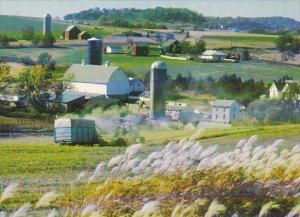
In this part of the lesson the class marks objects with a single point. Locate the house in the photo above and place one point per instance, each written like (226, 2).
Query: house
(9, 96)
(70, 101)
(97, 80)
(83, 36)
(114, 49)
(213, 55)
(179, 111)
(224, 111)
(275, 93)
(71, 33)
(139, 48)
(136, 86)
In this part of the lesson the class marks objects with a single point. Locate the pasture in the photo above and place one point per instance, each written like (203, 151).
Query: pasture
(141, 65)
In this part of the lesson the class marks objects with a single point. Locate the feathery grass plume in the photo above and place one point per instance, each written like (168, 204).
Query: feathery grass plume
(149, 209)
(9, 191)
(215, 209)
(295, 212)
(22, 211)
(46, 199)
(267, 208)
(96, 214)
(2, 214)
(81, 176)
(87, 211)
(53, 213)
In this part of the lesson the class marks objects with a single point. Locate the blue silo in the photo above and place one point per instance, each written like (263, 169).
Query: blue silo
(47, 23)
(94, 51)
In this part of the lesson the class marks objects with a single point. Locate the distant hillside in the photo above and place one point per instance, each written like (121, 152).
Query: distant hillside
(15, 24)
(126, 17)
(130, 17)
(245, 24)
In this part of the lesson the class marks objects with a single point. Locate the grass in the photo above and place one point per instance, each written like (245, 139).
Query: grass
(250, 41)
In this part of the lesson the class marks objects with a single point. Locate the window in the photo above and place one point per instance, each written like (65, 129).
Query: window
(224, 117)
(224, 109)
(216, 116)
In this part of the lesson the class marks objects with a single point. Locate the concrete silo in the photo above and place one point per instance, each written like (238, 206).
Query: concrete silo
(47, 24)
(94, 51)
(158, 80)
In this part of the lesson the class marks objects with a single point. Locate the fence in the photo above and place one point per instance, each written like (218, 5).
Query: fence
(25, 134)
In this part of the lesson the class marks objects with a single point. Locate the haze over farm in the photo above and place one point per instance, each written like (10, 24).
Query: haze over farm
(149, 108)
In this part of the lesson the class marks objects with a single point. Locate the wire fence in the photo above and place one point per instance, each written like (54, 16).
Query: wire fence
(25, 134)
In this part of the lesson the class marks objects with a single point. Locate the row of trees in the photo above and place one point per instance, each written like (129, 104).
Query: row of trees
(288, 42)
(29, 34)
(227, 87)
(119, 22)
(185, 47)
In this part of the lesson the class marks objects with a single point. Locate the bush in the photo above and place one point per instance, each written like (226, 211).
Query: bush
(118, 142)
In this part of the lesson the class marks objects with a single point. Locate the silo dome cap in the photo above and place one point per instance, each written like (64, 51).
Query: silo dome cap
(94, 39)
(159, 65)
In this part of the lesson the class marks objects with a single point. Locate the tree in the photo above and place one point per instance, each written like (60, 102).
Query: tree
(5, 77)
(288, 42)
(33, 84)
(28, 33)
(36, 39)
(45, 59)
(198, 48)
(48, 40)
(246, 55)
(4, 40)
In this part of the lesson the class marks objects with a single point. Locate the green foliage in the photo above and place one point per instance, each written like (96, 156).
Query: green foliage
(4, 40)
(45, 59)
(28, 33)
(36, 39)
(288, 42)
(5, 77)
(48, 40)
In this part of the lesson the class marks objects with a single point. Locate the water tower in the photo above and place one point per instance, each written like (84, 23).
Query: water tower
(47, 24)
(94, 51)
(158, 79)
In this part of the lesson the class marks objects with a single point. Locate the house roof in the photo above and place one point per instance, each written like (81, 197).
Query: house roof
(69, 28)
(223, 103)
(213, 53)
(83, 32)
(98, 74)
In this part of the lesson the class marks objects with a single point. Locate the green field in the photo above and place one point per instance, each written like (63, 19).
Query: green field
(141, 65)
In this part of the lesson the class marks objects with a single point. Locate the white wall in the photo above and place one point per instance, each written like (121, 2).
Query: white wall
(225, 115)
(118, 84)
(88, 88)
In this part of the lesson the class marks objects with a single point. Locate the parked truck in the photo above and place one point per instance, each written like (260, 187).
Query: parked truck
(75, 131)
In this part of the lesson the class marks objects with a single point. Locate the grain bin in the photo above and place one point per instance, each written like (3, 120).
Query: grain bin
(94, 51)
(158, 80)
(75, 131)
(47, 24)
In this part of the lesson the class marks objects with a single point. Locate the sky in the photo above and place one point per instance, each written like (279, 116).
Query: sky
(245, 8)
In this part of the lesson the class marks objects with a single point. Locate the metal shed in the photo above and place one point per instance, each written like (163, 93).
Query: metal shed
(75, 131)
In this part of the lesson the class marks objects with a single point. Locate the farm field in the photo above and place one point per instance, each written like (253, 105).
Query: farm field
(40, 166)
(140, 65)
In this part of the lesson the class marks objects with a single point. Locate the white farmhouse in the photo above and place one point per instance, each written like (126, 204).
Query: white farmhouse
(114, 49)
(97, 80)
(213, 55)
(275, 93)
(224, 111)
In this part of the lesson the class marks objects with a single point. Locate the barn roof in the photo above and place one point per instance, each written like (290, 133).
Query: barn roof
(98, 74)
(69, 28)
(223, 103)
(83, 32)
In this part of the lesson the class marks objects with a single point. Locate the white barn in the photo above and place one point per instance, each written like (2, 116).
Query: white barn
(98, 80)
(275, 93)
(213, 55)
(224, 111)
(114, 49)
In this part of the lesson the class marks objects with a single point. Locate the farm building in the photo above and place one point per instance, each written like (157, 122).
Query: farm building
(71, 33)
(83, 36)
(9, 96)
(114, 49)
(100, 80)
(179, 111)
(139, 49)
(224, 111)
(213, 55)
(71, 102)
(275, 93)
(137, 86)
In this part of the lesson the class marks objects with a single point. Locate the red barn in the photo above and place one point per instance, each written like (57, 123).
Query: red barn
(139, 49)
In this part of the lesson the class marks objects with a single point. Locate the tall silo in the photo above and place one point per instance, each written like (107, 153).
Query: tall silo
(158, 80)
(94, 51)
(47, 24)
